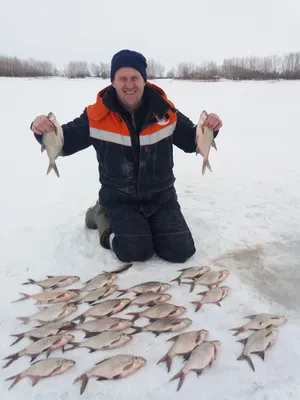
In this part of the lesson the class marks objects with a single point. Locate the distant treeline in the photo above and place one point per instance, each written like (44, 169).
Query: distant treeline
(242, 68)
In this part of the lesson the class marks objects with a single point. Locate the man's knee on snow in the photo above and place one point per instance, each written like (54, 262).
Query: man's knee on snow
(130, 249)
(175, 248)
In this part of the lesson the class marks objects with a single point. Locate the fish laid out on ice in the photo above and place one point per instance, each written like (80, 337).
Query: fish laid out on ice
(43, 369)
(153, 286)
(97, 294)
(53, 296)
(214, 295)
(260, 321)
(48, 344)
(94, 327)
(44, 331)
(51, 314)
(184, 345)
(204, 141)
(190, 273)
(115, 367)
(54, 282)
(159, 311)
(258, 343)
(103, 341)
(99, 281)
(123, 268)
(209, 279)
(150, 299)
(53, 142)
(164, 325)
(104, 309)
(200, 358)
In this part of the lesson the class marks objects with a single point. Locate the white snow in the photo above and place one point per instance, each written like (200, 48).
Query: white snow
(246, 213)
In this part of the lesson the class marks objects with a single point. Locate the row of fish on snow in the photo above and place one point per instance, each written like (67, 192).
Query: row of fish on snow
(106, 331)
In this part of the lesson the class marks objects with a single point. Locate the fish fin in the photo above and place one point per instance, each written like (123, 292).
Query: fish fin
(137, 330)
(50, 276)
(261, 354)
(23, 319)
(54, 167)
(135, 316)
(202, 293)
(173, 338)
(167, 359)
(30, 282)
(199, 371)
(198, 305)
(237, 330)
(90, 334)
(186, 356)
(204, 165)
(35, 380)
(103, 378)
(121, 292)
(214, 145)
(16, 378)
(243, 341)
(24, 297)
(11, 358)
(218, 303)
(181, 377)
(248, 359)
(252, 316)
(92, 350)
(43, 148)
(84, 378)
(176, 280)
(33, 357)
(156, 333)
(81, 318)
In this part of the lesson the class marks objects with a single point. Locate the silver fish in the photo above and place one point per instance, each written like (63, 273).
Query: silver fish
(209, 279)
(114, 367)
(53, 282)
(184, 345)
(53, 296)
(190, 273)
(150, 299)
(53, 142)
(164, 325)
(121, 269)
(43, 369)
(51, 314)
(260, 321)
(258, 343)
(201, 357)
(103, 341)
(153, 286)
(44, 331)
(159, 311)
(204, 141)
(104, 309)
(97, 294)
(214, 295)
(94, 327)
(48, 344)
(100, 280)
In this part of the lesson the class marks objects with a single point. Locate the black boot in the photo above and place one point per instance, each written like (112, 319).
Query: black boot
(96, 218)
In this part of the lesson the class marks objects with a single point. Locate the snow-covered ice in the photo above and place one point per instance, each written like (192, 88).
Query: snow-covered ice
(245, 214)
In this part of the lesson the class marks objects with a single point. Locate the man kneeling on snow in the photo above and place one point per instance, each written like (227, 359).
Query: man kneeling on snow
(133, 126)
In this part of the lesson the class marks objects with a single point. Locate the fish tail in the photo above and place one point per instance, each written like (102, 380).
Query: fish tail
(29, 282)
(19, 337)
(24, 319)
(176, 280)
(80, 318)
(25, 297)
(137, 330)
(84, 378)
(204, 165)
(16, 380)
(121, 292)
(248, 359)
(11, 358)
(237, 330)
(167, 359)
(198, 305)
(136, 315)
(181, 377)
(214, 145)
(52, 165)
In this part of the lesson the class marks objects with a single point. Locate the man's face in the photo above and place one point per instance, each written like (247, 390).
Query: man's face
(129, 85)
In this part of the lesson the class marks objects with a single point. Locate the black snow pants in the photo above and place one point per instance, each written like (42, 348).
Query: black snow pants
(164, 232)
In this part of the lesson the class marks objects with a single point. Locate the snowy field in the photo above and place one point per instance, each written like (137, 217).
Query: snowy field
(245, 214)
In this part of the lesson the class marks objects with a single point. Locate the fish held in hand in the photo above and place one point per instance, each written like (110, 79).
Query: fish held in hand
(201, 358)
(115, 367)
(51, 314)
(53, 282)
(44, 331)
(164, 325)
(53, 142)
(214, 296)
(184, 345)
(204, 141)
(150, 299)
(53, 296)
(159, 311)
(48, 344)
(190, 273)
(43, 369)
(258, 343)
(153, 286)
(260, 321)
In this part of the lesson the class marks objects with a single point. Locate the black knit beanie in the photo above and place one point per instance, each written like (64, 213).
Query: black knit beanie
(128, 58)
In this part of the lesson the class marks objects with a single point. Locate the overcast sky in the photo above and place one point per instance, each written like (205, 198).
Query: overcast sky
(168, 31)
